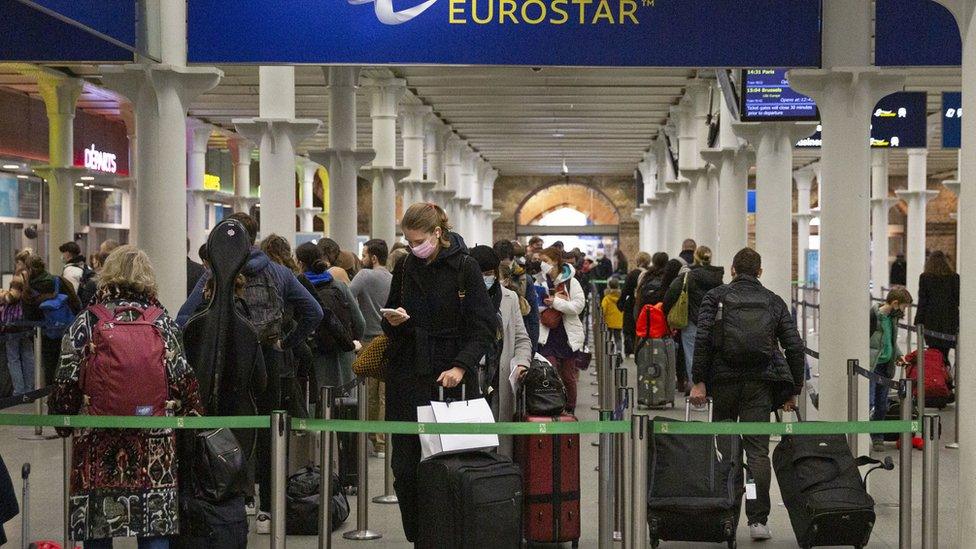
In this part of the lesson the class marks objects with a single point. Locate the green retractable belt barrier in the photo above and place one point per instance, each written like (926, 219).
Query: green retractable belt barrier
(137, 422)
(801, 428)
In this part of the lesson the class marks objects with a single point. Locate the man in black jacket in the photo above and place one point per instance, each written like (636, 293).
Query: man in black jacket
(741, 326)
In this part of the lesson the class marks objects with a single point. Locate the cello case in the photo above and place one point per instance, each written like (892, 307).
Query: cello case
(220, 343)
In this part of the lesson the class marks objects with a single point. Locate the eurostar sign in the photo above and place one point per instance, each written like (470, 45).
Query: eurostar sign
(663, 33)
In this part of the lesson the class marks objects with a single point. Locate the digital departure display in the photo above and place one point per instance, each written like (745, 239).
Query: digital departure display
(766, 95)
(899, 121)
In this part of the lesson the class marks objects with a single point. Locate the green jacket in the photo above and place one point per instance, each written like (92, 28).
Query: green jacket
(877, 334)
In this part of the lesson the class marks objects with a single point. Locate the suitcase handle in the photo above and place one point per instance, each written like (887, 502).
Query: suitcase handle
(796, 412)
(688, 408)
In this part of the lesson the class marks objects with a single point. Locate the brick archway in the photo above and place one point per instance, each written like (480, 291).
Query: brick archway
(551, 196)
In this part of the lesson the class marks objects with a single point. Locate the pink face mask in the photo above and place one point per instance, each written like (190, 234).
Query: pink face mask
(423, 251)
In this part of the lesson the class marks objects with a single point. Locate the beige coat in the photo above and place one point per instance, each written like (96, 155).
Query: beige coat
(516, 351)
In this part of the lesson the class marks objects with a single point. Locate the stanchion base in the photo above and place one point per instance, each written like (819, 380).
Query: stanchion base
(595, 443)
(595, 395)
(362, 535)
(36, 436)
(952, 446)
(617, 536)
(386, 499)
(594, 383)
(593, 372)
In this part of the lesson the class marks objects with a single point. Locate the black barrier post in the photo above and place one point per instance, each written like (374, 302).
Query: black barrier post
(920, 367)
(954, 445)
(905, 473)
(852, 399)
(605, 486)
(636, 535)
(279, 466)
(931, 436)
(326, 401)
(66, 444)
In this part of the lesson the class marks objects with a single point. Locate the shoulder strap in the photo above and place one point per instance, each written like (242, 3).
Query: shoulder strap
(101, 312)
(57, 285)
(461, 282)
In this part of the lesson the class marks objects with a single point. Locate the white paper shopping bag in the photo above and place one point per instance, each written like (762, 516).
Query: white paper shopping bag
(462, 411)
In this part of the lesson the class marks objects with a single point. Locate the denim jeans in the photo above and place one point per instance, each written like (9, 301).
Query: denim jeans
(20, 361)
(142, 543)
(879, 396)
(688, 334)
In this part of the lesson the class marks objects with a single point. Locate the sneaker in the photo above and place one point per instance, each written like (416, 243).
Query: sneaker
(262, 524)
(759, 532)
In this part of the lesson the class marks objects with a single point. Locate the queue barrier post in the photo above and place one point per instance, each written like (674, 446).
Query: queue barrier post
(905, 471)
(920, 366)
(279, 464)
(624, 396)
(326, 401)
(852, 398)
(637, 523)
(605, 487)
(931, 435)
(38, 378)
(66, 448)
(362, 531)
(389, 496)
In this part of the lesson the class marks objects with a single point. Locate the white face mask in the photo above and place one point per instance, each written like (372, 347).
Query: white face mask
(547, 267)
(489, 281)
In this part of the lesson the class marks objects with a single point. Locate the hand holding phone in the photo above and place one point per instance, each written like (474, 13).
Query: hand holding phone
(395, 316)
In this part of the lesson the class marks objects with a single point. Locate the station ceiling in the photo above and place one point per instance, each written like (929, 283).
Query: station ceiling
(522, 120)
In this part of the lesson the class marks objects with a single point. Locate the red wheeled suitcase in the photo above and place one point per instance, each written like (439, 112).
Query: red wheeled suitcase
(551, 474)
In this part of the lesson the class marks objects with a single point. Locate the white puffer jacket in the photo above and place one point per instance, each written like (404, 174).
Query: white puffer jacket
(571, 310)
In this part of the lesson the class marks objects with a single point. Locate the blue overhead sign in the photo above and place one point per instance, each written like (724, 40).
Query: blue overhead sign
(915, 33)
(662, 33)
(102, 31)
(951, 120)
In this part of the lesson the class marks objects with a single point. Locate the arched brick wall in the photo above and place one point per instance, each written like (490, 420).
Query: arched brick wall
(512, 192)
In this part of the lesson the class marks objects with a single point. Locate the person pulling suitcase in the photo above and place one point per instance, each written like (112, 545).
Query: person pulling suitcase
(739, 364)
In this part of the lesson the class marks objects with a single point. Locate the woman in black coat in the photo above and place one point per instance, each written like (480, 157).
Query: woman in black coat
(938, 302)
(627, 302)
(443, 325)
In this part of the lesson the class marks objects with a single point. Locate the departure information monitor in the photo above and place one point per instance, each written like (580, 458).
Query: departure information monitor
(766, 95)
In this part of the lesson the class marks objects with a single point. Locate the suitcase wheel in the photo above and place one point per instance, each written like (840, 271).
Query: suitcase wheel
(733, 544)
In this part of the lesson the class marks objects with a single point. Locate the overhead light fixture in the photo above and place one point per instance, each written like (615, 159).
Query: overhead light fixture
(559, 135)
(109, 189)
(11, 166)
(565, 167)
(86, 178)
(22, 176)
(89, 187)
(79, 184)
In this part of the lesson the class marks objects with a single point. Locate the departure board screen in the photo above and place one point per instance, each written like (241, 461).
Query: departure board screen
(766, 95)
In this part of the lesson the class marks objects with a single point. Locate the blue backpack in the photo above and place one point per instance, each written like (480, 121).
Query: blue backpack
(57, 313)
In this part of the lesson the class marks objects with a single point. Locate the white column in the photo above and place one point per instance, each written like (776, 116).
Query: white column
(663, 226)
(434, 135)
(342, 160)
(413, 129)
(804, 182)
(240, 158)
(648, 168)
(473, 176)
(60, 96)
(488, 203)
(308, 212)
(197, 137)
(954, 186)
(161, 93)
(880, 206)
(774, 143)
(452, 179)
(846, 93)
(733, 162)
(463, 197)
(917, 196)
(703, 203)
(385, 175)
(277, 132)
(965, 14)
(128, 116)
(689, 170)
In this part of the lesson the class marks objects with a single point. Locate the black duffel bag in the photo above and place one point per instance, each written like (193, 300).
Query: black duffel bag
(302, 502)
(218, 465)
(542, 392)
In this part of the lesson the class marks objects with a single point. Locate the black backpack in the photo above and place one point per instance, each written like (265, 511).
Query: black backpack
(542, 392)
(333, 299)
(264, 304)
(744, 332)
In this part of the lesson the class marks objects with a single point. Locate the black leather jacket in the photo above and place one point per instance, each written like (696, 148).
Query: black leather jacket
(710, 368)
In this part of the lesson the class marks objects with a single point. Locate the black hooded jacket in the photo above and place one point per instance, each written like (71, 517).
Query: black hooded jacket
(444, 329)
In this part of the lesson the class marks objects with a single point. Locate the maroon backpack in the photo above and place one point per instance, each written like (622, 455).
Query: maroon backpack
(125, 369)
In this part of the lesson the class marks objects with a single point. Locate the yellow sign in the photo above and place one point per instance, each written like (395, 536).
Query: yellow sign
(211, 182)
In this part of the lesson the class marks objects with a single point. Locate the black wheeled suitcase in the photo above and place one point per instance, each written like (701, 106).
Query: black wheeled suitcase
(823, 491)
(695, 487)
(347, 408)
(469, 501)
(656, 360)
